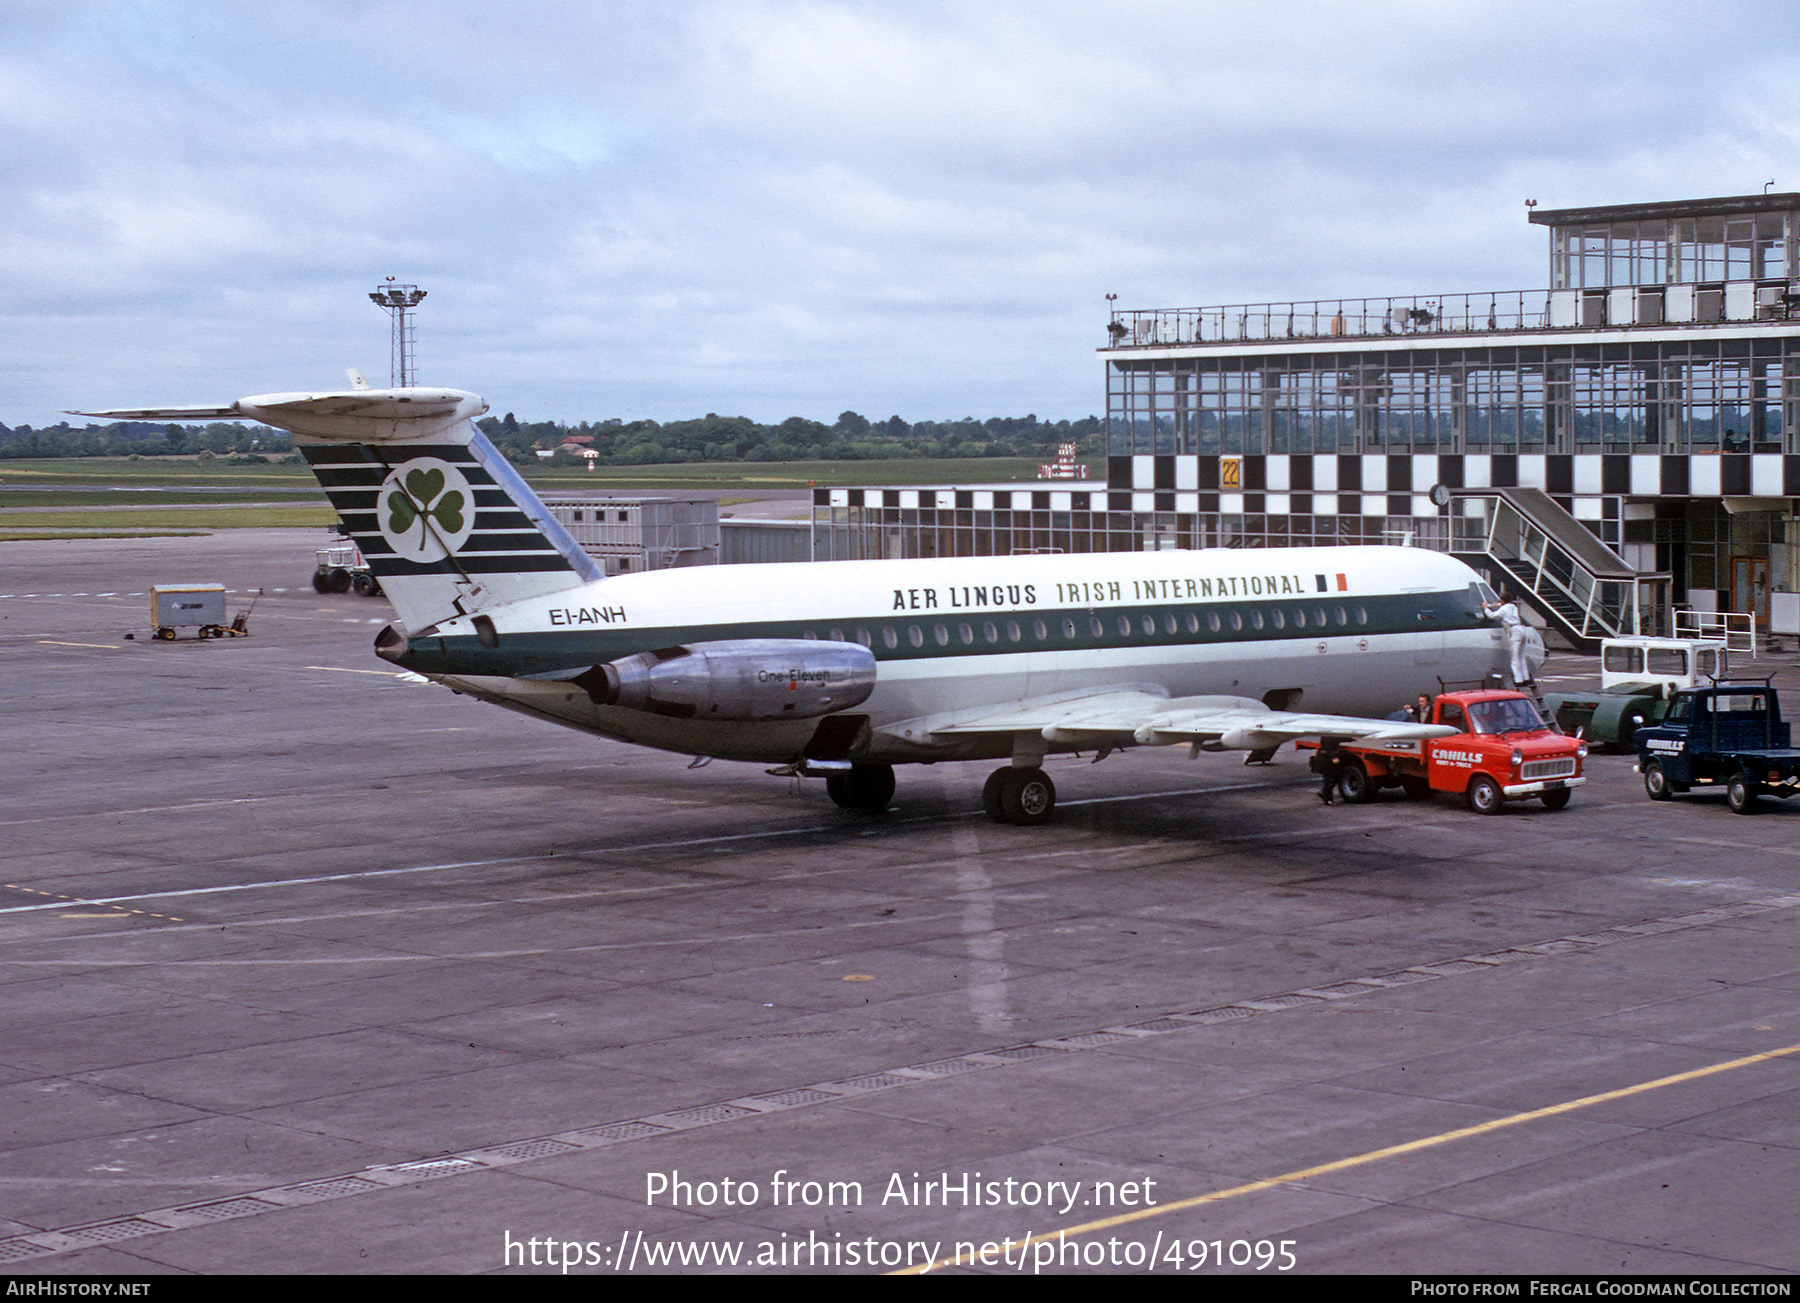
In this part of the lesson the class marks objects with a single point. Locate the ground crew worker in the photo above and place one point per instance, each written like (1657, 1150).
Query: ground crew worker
(1507, 612)
(1328, 764)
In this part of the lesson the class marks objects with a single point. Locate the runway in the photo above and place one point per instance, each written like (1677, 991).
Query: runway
(309, 968)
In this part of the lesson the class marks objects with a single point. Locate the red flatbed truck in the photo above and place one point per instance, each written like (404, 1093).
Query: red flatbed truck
(1505, 752)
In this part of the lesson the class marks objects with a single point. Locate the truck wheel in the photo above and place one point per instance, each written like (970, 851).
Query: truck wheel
(1417, 788)
(1558, 799)
(339, 579)
(1485, 796)
(1656, 783)
(362, 584)
(321, 581)
(1354, 784)
(1628, 727)
(1740, 794)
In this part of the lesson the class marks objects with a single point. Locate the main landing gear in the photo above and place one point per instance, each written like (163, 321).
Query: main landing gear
(1021, 795)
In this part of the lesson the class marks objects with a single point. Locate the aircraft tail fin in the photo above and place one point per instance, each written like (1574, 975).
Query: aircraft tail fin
(444, 520)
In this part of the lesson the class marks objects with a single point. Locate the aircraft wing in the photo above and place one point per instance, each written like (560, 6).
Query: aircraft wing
(1214, 722)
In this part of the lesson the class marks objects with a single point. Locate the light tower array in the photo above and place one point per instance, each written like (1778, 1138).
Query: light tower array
(398, 301)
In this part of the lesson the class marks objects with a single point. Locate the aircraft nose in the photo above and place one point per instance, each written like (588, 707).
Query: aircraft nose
(391, 644)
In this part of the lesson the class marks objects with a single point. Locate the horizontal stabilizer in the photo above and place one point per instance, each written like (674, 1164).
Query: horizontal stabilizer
(355, 416)
(167, 414)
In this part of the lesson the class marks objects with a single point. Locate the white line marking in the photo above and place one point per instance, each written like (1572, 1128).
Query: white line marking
(549, 856)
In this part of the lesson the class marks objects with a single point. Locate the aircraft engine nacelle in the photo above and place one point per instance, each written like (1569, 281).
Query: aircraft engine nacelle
(751, 679)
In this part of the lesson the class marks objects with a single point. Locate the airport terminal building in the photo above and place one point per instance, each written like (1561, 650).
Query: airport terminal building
(1618, 444)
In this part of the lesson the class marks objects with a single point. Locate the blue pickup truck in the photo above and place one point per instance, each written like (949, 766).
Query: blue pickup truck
(1729, 735)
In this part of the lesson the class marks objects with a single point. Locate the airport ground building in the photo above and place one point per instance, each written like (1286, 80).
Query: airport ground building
(1620, 445)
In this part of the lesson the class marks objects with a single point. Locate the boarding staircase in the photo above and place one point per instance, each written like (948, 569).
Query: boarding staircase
(1552, 562)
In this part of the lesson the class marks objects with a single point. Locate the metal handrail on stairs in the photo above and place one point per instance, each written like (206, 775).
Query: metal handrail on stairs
(1554, 562)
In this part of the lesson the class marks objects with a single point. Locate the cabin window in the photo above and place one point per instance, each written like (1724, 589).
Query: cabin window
(1041, 630)
(1193, 622)
(1212, 621)
(989, 632)
(1277, 619)
(967, 633)
(1069, 630)
(1149, 626)
(1319, 616)
(837, 635)
(1013, 632)
(1341, 615)
(1256, 618)
(811, 635)
(1299, 617)
(1362, 615)
(1237, 621)
(1169, 623)
(862, 636)
(889, 637)
(942, 635)
(1124, 626)
(915, 635)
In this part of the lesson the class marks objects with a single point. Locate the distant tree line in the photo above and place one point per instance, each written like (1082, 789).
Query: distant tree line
(143, 439)
(711, 438)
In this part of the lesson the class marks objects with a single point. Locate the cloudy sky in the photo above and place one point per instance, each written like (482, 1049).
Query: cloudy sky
(664, 209)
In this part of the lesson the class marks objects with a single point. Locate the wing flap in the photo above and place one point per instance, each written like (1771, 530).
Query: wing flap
(1224, 722)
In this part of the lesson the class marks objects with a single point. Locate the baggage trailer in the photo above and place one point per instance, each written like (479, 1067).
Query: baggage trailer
(200, 607)
(1505, 752)
(1729, 735)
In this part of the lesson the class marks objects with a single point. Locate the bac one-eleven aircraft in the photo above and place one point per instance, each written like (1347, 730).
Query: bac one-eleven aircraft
(844, 669)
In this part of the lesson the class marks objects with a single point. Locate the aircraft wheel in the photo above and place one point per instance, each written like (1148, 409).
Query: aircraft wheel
(865, 787)
(321, 581)
(1027, 796)
(1558, 799)
(1354, 784)
(990, 796)
(1656, 782)
(1485, 796)
(1740, 794)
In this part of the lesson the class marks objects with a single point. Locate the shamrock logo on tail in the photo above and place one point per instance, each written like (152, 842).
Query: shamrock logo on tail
(420, 497)
(425, 510)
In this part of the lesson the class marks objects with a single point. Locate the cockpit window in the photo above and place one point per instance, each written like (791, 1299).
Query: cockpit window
(1511, 715)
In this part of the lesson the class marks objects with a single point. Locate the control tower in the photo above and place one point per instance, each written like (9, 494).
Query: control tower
(1624, 441)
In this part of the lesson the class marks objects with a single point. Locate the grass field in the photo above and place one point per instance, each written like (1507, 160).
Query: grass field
(113, 523)
(173, 479)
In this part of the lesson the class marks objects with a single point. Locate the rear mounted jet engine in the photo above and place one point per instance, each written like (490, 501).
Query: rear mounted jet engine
(756, 678)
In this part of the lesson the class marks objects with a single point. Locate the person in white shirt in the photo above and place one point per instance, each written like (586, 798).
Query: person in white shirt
(1507, 612)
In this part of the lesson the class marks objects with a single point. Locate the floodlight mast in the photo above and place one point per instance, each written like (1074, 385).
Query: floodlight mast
(398, 301)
